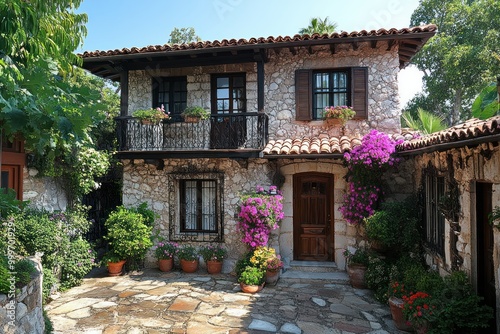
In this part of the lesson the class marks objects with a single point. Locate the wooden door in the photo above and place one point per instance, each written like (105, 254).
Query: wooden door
(10, 178)
(485, 268)
(312, 216)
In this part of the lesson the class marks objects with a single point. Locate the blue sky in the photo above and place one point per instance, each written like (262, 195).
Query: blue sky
(117, 24)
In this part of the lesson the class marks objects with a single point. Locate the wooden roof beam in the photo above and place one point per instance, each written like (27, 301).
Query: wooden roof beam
(373, 44)
(333, 48)
(355, 46)
(390, 44)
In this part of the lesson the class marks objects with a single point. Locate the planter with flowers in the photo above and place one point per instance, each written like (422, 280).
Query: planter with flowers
(396, 292)
(252, 279)
(188, 258)
(151, 116)
(195, 114)
(419, 310)
(165, 252)
(260, 212)
(273, 268)
(213, 255)
(338, 114)
(357, 264)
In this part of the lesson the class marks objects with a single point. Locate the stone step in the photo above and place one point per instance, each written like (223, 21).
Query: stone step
(313, 270)
(314, 266)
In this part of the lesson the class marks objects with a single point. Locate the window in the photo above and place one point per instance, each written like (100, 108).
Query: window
(196, 206)
(172, 93)
(434, 221)
(315, 90)
(330, 89)
(228, 93)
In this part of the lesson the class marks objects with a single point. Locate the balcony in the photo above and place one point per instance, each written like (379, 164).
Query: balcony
(228, 135)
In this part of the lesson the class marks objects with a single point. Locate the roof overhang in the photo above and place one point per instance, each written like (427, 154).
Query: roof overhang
(109, 64)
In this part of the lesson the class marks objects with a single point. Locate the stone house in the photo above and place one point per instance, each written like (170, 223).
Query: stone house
(266, 97)
(460, 164)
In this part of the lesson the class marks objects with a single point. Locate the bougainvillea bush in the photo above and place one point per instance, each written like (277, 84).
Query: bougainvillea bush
(365, 165)
(260, 212)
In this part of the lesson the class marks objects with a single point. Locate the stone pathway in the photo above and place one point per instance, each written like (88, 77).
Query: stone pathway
(154, 302)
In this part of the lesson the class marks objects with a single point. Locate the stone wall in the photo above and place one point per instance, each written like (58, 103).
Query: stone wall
(467, 166)
(279, 88)
(43, 192)
(24, 314)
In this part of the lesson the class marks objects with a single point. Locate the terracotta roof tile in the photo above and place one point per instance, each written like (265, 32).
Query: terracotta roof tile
(471, 129)
(314, 145)
(261, 40)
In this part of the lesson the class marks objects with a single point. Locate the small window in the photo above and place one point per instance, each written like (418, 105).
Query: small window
(228, 94)
(434, 220)
(330, 89)
(198, 205)
(171, 92)
(315, 90)
(198, 214)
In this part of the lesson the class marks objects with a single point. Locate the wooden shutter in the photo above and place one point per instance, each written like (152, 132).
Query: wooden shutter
(359, 91)
(303, 95)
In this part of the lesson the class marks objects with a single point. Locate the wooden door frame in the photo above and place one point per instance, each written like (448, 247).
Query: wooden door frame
(297, 180)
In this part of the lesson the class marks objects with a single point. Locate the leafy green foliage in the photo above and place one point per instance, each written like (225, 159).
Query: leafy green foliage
(252, 276)
(25, 270)
(128, 234)
(4, 275)
(50, 283)
(9, 204)
(242, 263)
(78, 262)
(377, 277)
(183, 35)
(319, 26)
(188, 253)
(426, 122)
(461, 58)
(486, 103)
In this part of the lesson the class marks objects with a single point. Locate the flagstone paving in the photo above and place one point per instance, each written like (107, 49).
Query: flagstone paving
(153, 302)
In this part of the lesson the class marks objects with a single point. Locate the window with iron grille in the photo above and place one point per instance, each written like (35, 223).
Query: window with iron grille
(199, 213)
(433, 219)
(330, 89)
(171, 92)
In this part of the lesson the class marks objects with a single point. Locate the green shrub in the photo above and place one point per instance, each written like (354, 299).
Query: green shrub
(252, 276)
(188, 253)
(242, 263)
(4, 275)
(25, 270)
(148, 215)
(128, 235)
(48, 324)
(78, 262)
(395, 226)
(377, 277)
(50, 283)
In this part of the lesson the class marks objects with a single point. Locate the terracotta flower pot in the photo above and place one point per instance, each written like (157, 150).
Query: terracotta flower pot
(356, 274)
(272, 277)
(115, 268)
(214, 267)
(396, 305)
(251, 288)
(189, 266)
(165, 264)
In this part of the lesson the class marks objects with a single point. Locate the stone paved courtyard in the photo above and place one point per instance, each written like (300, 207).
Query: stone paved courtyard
(155, 302)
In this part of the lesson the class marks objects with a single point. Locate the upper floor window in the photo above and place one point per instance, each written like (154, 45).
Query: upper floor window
(228, 93)
(171, 92)
(434, 189)
(317, 89)
(330, 88)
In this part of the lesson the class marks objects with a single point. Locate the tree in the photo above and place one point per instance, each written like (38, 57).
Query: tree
(183, 35)
(319, 26)
(43, 97)
(426, 122)
(461, 58)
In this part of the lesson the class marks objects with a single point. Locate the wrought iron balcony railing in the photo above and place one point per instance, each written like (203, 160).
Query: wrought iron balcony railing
(225, 131)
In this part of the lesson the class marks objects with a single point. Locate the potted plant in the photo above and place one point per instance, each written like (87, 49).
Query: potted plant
(151, 116)
(165, 252)
(273, 267)
(195, 114)
(213, 257)
(128, 236)
(357, 263)
(252, 279)
(396, 292)
(188, 258)
(340, 113)
(114, 263)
